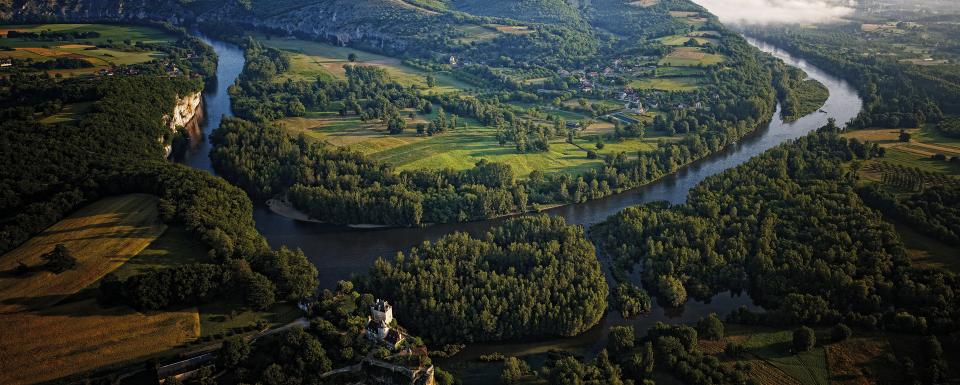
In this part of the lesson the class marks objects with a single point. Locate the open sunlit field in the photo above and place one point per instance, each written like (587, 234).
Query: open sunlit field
(458, 149)
(101, 236)
(75, 337)
(311, 59)
(690, 57)
(85, 48)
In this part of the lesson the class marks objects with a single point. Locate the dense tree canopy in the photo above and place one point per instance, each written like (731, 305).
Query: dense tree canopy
(532, 276)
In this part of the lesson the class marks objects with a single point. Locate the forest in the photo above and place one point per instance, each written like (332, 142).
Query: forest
(789, 228)
(53, 169)
(532, 276)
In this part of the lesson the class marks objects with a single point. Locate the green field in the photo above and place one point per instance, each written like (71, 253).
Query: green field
(690, 57)
(678, 40)
(174, 248)
(311, 59)
(773, 347)
(666, 84)
(458, 149)
(86, 49)
(70, 113)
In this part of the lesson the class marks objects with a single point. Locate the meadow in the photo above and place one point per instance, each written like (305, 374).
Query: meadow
(769, 351)
(51, 326)
(74, 337)
(666, 84)
(458, 149)
(924, 143)
(312, 59)
(86, 49)
(102, 236)
(690, 57)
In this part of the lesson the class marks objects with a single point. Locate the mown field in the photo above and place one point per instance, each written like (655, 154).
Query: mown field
(86, 48)
(690, 57)
(51, 326)
(924, 143)
(102, 236)
(772, 362)
(666, 84)
(458, 149)
(71, 338)
(311, 59)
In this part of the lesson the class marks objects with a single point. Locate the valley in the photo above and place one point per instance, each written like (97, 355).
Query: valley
(596, 192)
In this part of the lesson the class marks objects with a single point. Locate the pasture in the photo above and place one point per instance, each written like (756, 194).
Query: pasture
(924, 143)
(768, 350)
(666, 84)
(690, 57)
(678, 40)
(89, 49)
(51, 327)
(75, 337)
(457, 149)
(311, 59)
(101, 236)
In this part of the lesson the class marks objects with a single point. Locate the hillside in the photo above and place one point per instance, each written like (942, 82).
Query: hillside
(538, 11)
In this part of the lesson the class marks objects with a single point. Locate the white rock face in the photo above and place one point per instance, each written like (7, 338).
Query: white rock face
(188, 109)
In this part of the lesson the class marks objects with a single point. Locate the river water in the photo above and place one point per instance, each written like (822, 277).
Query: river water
(338, 252)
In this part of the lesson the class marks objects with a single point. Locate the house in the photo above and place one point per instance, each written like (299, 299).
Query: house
(378, 325)
(453, 61)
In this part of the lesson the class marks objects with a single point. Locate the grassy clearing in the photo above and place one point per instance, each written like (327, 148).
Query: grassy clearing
(175, 247)
(928, 252)
(678, 40)
(773, 347)
(77, 337)
(859, 360)
(45, 337)
(311, 59)
(102, 236)
(666, 84)
(222, 317)
(924, 143)
(690, 57)
(85, 49)
(70, 113)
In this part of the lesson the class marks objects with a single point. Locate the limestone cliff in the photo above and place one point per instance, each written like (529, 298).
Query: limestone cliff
(187, 114)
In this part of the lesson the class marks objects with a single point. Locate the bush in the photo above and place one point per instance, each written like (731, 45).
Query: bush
(804, 339)
(711, 327)
(734, 350)
(840, 332)
(59, 260)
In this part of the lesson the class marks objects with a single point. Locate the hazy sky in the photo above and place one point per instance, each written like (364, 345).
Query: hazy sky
(778, 11)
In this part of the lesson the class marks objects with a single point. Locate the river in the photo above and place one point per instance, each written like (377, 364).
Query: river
(338, 252)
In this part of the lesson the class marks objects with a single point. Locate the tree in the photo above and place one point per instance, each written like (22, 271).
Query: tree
(261, 294)
(804, 339)
(672, 291)
(232, 352)
(59, 260)
(840, 332)
(352, 57)
(514, 369)
(710, 327)
(621, 339)
(599, 144)
(904, 136)
(431, 81)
